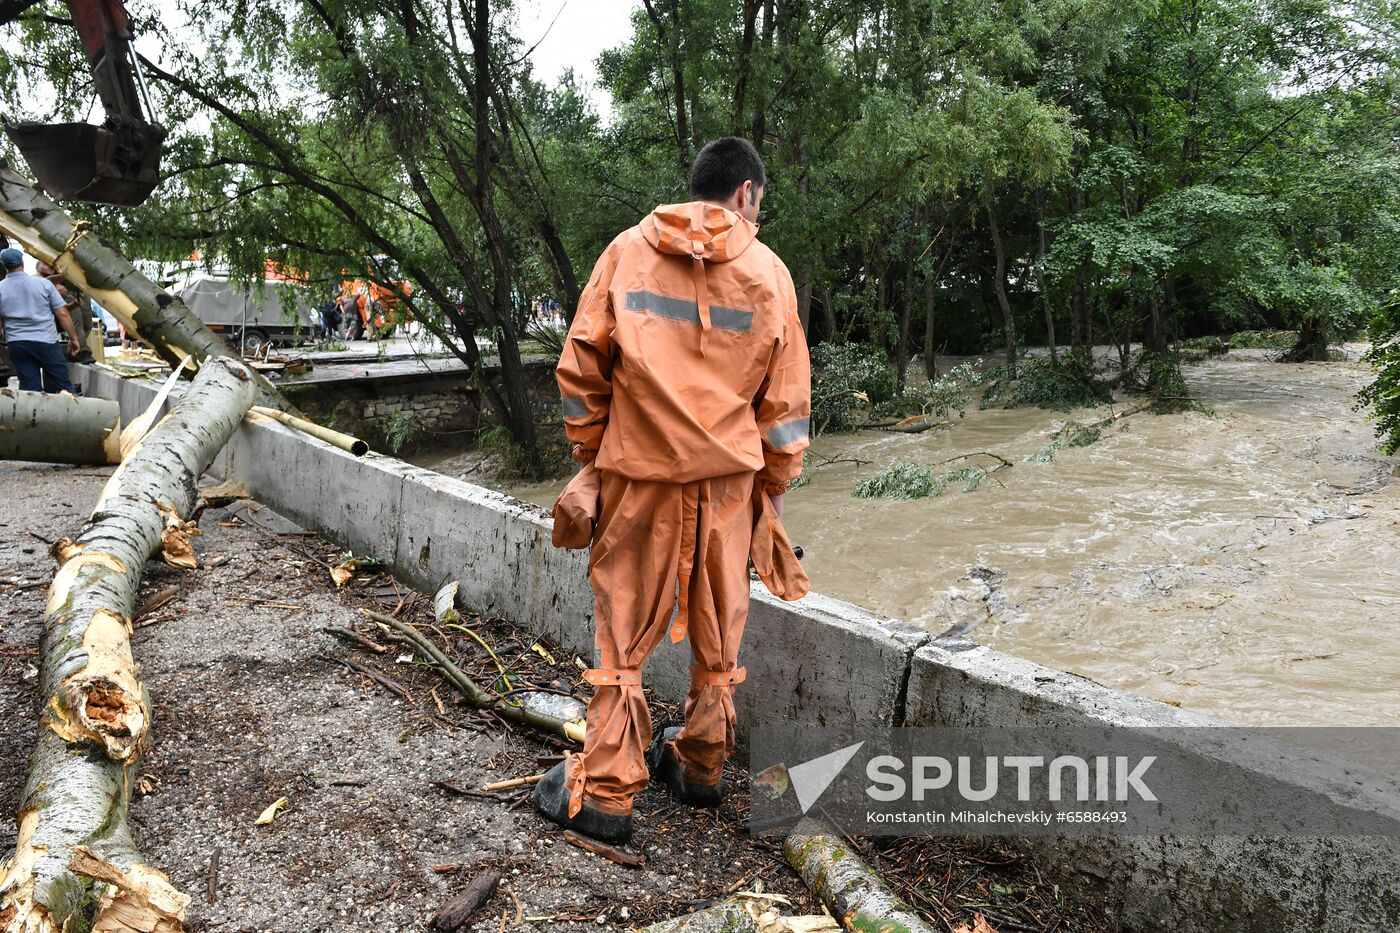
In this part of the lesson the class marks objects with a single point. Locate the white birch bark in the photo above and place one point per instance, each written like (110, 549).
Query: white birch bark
(96, 715)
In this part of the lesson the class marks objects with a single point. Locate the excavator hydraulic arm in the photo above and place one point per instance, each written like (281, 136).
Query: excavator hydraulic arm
(117, 162)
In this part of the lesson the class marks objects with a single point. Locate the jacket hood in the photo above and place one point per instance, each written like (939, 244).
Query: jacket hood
(698, 228)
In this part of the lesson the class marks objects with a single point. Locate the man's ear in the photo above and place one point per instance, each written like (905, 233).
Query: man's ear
(745, 194)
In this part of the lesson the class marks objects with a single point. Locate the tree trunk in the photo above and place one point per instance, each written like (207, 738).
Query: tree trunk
(882, 292)
(1040, 276)
(999, 283)
(845, 885)
(1081, 323)
(673, 51)
(745, 66)
(45, 428)
(828, 315)
(760, 110)
(1311, 344)
(906, 310)
(930, 351)
(96, 269)
(1158, 332)
(804, 302)
(97, 715)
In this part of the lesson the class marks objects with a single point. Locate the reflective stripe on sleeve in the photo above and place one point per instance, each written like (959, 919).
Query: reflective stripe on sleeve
(574, 407)
(790, 433)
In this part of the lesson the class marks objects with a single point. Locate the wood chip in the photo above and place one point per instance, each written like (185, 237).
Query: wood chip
(456, 912)
(270, 813)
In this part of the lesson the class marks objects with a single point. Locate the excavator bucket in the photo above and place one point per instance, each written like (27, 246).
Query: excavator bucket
(82, 162)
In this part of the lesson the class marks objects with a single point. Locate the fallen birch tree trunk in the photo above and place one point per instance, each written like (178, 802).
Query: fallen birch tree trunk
(47, 428)
(96, 716)
(849, 889)
(145, 309)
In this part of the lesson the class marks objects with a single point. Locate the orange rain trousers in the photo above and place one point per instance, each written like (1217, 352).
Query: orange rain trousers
(657, 545)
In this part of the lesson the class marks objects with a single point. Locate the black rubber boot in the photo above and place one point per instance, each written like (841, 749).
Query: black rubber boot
(551, 799)
(666, 768)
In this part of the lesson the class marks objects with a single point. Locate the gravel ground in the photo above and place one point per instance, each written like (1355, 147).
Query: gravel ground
(250, 708)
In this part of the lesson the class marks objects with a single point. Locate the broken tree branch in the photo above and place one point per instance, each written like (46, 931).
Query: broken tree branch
(481, 699)
(96, 715)
(345, 442)
(849, 889)
(49, 234)
(43, 428)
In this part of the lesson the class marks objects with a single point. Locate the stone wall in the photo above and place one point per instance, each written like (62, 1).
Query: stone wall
(442, 410)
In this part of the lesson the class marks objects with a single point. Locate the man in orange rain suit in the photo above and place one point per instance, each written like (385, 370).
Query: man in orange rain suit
(686, 383)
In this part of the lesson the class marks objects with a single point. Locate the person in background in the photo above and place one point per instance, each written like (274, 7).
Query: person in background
(29, 307)
(77, 305)
(351, 318)
(330, 319)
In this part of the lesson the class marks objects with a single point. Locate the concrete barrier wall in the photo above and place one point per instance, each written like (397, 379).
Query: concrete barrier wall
(1223, 883)
(815, 661)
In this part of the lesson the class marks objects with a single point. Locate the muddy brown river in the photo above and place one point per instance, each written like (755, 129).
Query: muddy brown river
(1243, 564)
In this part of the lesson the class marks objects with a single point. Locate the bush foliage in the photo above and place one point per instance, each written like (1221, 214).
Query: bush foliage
(912, 481)
(1384, 356)
(1263, 339)
(848, 379)
(1068, 383)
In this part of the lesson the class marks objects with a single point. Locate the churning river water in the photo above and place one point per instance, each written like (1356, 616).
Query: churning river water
(1244, 563)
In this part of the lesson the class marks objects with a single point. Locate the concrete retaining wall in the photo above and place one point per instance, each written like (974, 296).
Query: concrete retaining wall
(816, 661)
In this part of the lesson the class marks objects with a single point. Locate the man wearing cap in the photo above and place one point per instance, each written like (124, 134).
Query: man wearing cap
(29, 306)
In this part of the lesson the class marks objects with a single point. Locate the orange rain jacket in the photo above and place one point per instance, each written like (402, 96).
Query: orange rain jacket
(687, 360)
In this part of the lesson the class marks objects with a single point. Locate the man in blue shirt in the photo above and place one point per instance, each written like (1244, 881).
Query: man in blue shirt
(29, 306)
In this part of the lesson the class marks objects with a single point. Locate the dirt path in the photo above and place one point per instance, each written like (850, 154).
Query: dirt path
(249, 709)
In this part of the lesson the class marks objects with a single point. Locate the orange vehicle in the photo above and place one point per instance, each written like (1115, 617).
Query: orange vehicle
(381, 308)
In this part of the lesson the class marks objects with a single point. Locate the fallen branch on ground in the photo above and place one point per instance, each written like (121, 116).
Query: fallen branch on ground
(748, 912)
(611, 853)
(848, 888)
(96, 714)
(509, 783)
(387, 683)
(476, 696)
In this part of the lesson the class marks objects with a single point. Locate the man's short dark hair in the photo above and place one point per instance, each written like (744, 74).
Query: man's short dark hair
(722, 166)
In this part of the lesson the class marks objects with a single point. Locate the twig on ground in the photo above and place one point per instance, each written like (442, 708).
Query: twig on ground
(355, 637)
(467, 791)
(611, 853)
(383, 681)
(211, 884)
(159, 598)
(513, 782)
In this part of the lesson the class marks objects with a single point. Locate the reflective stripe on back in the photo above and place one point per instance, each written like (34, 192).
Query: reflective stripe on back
(680, 309)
